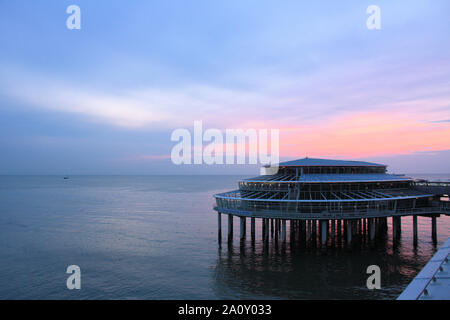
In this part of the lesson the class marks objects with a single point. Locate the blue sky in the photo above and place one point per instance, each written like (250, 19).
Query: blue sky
(105, 99)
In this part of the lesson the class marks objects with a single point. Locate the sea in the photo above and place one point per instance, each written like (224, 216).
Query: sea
(155, 237)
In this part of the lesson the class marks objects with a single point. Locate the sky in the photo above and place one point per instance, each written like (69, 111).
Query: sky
(106, 98)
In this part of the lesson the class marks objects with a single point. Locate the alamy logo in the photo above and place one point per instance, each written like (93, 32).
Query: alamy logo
(374, 20)
(236, 146)
(374, 281)
(74, 280)
(74, 20)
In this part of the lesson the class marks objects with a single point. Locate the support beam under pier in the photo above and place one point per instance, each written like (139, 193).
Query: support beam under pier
(339, 230)
(333, 230)
(283, 230)
(230, 226)
(271, 228)
(219, 226)
(371, 229)
(243, 225)
(266, 238)
(349, 231)
(415, 230)
(324, 231)
(434, 229)
(395, 222)
(308, 230)
(263, 227)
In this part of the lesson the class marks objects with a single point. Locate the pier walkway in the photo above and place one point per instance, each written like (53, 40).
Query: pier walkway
(433, 282)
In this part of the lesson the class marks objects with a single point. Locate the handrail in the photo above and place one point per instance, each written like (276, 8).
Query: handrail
(433, 277)
(231, 196)
(433, 183)
(257, 212)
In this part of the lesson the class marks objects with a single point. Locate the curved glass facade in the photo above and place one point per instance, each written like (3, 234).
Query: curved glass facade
(298, 191)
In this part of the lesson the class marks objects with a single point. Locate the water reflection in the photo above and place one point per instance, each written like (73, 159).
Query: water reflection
(307, 270)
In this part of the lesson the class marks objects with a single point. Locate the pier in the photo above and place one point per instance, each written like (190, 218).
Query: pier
(433, 282)
(331, 200)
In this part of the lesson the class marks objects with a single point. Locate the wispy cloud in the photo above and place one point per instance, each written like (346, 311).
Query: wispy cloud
(267, 99)
(147, 157)
(440, 121)
(354, 109)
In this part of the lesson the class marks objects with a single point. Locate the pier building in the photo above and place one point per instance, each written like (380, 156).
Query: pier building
(331, 198)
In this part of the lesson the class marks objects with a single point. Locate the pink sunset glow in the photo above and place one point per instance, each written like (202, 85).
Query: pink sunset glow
(365, 134)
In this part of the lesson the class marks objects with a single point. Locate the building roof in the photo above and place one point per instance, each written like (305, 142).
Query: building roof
(364, 177)
(334, 177)
(307, 162)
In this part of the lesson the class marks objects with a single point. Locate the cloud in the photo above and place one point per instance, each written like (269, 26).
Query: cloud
(131, 108)
(147, 157)
(440, 121)
(356, 109)
(116, 109)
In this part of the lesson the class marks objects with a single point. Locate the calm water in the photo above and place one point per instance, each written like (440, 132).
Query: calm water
(155, 237)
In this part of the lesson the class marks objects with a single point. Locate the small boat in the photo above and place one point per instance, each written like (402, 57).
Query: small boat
(65, 178)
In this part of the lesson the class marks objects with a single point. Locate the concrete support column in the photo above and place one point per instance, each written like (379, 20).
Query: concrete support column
(219, 224)
(230, 226)
(349, 231)
(292, 233)
(283, 230)
(271, 228)
(276, 230)
(243, 231)
(371, 229)
(339, 229)
(319, 225)
(333, 230)
(263, 227)
(433, 229)
(314, 231)
(291, 227)
(308, 229)
(324, 232)
(394, 228)
(267, 229)
(303, 230)
(253, 228)
(415, 230)
(382, 225)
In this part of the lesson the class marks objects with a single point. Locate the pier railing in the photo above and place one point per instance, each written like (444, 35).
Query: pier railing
(436, 187)
(347, 214)
(421, 287)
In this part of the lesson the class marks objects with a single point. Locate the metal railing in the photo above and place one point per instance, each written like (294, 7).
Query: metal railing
(347, 214)
(433, 277)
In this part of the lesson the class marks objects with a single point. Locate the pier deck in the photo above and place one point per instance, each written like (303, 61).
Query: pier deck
(433, 282)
